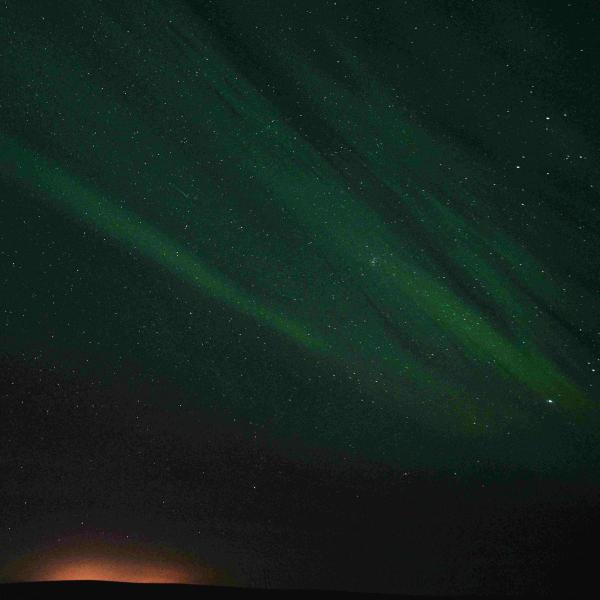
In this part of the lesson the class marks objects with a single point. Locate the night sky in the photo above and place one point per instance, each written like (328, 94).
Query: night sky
(300, 293)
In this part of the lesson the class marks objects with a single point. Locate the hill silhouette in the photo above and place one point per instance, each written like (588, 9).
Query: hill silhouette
(83, 589)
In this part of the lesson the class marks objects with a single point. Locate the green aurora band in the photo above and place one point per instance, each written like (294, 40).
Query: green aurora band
(378, 249)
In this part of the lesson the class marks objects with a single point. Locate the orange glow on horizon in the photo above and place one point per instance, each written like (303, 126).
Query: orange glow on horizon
(114, 570)
(102, 561)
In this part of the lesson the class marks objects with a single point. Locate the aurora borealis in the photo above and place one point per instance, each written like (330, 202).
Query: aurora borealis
(270, 267)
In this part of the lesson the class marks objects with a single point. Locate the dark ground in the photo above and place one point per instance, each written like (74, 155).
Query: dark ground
(78, 589)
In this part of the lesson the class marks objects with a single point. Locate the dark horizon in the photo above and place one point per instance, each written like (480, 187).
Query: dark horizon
(174, 590)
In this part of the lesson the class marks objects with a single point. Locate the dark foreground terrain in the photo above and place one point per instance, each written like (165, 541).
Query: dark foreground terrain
(86, 589)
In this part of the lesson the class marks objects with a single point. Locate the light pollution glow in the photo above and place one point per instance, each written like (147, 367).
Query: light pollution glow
(104, 569)
(109, 562)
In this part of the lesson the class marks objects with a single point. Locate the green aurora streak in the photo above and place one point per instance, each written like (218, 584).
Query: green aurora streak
(380, 250)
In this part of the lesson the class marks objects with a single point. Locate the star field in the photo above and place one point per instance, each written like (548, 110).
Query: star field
(241, 240)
